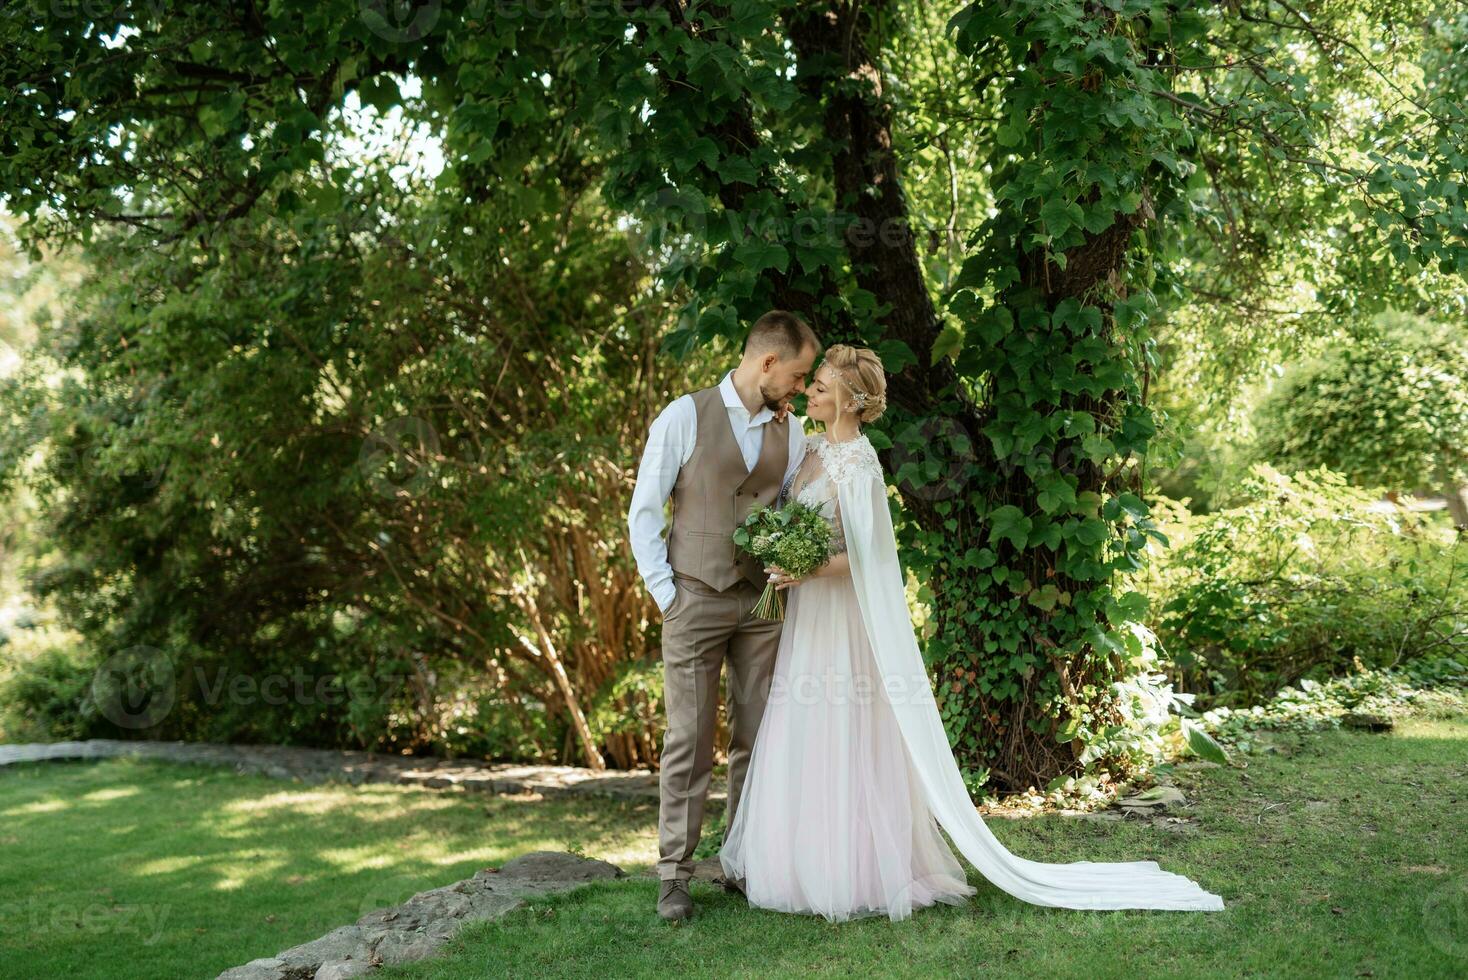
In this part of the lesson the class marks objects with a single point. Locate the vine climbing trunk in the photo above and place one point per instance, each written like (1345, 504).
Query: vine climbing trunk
(835, 49)
(1034, 632)
(1015, 414)
(989, 445)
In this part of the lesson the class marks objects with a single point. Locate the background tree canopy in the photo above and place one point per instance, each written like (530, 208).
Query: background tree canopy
(325, 406)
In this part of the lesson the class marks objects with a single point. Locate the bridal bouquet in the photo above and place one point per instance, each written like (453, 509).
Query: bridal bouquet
(796, 538)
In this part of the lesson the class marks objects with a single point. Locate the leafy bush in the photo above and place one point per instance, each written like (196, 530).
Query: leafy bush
(1148, 724)
(1436, 683)
(48, 692)
(1388, 408)
(372, 446)
(1303, 578)
(42, 683)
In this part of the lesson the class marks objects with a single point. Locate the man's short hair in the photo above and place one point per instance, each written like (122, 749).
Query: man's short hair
(781, 333)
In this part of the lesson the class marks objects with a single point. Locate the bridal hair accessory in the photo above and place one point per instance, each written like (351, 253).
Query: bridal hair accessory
(859, 396)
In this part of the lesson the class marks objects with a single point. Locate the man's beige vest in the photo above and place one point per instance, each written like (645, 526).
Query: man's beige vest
(714, 493)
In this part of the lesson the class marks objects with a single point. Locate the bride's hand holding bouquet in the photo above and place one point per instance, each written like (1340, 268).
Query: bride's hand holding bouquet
(791, 542)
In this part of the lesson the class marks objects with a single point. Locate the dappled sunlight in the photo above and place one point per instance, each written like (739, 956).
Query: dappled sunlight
(629, 851)
(247, 849)
(38, 807)
(304, 802)
(366, 805)
(362, 857)
(286, 863)
(169, 865)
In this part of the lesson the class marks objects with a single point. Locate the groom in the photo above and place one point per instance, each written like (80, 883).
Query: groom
(718, 452)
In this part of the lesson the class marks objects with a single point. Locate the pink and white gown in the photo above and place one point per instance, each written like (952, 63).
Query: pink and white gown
(832, 820)
(852, 775)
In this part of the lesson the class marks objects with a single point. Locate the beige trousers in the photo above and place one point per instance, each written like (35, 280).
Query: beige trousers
(703, 628)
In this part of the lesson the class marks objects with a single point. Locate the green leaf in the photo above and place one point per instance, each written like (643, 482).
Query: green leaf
(947, 344)
(738, 170)
(1045, 597)
(878, 439)
(1202, 744)
(895, 355)
(1091, 531)
(758, 254)
(1009, 522)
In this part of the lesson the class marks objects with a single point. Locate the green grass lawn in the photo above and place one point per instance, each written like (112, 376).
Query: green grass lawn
(1344, 857)
(128, 868)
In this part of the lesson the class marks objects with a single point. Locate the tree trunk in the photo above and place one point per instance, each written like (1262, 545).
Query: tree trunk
(998, 731)
(1457, 498)
(552, 662)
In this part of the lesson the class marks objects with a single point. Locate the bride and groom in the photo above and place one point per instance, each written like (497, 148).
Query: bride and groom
(840, 772)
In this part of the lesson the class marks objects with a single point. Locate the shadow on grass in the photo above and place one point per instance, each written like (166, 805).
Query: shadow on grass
(1343, 854)
(1340, 855)
(130, 867)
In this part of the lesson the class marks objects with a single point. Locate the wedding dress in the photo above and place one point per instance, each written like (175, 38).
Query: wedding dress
(851, 774)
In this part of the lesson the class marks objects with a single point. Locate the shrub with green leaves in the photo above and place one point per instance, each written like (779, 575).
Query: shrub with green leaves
(1303, 578)
(1436, 684)
(1389, 408)
(40, 690)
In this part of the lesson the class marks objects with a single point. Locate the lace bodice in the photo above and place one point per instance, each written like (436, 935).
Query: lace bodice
(825, 465)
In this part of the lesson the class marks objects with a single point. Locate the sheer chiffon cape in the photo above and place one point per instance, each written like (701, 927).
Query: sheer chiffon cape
(872, 550)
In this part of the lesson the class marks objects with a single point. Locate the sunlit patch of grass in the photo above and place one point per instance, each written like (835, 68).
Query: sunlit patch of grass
(135, 868)
(33, 809)
(1341, 856)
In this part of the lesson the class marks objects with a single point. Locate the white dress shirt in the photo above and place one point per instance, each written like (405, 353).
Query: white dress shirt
(670, 441)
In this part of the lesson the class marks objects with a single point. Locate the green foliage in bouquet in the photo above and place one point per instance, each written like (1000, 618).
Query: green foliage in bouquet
(796, 538)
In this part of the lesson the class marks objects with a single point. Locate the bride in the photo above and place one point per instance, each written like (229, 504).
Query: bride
(851, 773)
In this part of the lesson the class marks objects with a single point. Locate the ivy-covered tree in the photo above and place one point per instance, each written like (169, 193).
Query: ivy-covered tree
(771, 150)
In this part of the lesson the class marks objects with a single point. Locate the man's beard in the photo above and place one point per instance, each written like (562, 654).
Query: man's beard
(772, 402)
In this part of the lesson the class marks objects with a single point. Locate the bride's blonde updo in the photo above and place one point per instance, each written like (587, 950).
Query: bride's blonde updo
(861, 369)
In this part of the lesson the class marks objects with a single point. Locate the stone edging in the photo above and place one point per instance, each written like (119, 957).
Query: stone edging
(419, 927)
(321, 765)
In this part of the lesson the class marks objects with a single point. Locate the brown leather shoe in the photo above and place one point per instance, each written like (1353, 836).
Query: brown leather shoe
(674, 902)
